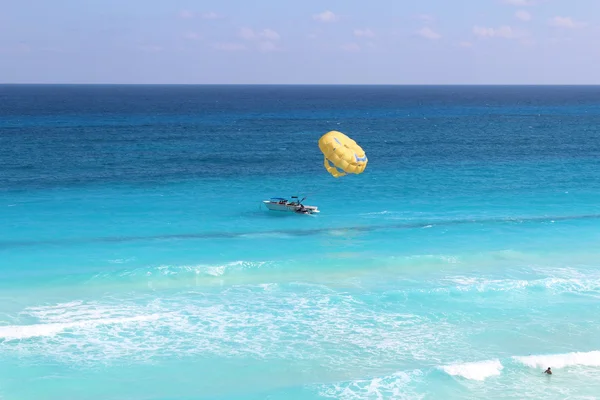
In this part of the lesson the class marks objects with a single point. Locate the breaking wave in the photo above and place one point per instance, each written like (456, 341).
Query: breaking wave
(558, 361)
(477, 371)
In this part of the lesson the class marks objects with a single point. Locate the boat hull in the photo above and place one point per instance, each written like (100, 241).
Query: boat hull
(273, 206)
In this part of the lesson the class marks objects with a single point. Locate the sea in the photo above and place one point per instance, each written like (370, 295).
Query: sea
(138, 261)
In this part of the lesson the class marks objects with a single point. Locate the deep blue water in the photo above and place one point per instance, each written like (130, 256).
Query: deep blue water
(137, 262)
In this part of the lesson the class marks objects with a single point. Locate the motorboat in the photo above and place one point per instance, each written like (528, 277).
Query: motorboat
(294, 205)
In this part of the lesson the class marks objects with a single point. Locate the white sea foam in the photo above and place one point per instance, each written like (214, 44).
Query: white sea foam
(121, 260)
(214, 270)
(384, 212)
(483, 285)
(411, 384)
(557, 361)
(394, 386)
(12, 332)
(200, 269)
(557, 285)
(261, 321)
(477, 371)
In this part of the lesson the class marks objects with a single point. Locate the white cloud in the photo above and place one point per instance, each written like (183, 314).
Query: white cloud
(264, 40)
(519, 2)
(185, 14)
(367, 33)
(325, 16)
(229, 46)
(505, 32)
(247, 33)
(523, 15)
(566, 22)
(267, 34)
(351, 47)
(428, 33)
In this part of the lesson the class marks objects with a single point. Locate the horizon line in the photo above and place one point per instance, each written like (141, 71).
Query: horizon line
(292, 84)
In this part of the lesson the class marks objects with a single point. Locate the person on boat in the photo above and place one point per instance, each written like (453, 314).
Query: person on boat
(301, 209)
(548, 371)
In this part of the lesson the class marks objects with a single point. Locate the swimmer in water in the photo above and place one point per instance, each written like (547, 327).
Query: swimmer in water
(548, 371)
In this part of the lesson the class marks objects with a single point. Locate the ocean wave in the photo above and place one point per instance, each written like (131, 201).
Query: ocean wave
(558, 361)
(438, 276)
(19, 332)
(510, 378)
(394, 386)
(262, 321)
(121, 260)
(480, 370)
(488, 292)
(310, 325)
(555, 285)
(184, 271)
(209, 269)
(477, 371)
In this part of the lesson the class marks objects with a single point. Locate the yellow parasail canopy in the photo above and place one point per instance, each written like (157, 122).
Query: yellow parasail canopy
(346, 156)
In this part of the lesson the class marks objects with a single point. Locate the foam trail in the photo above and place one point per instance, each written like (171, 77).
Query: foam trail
(17, 332)
(477, 371)
(587, 359)
(558, 285)
(396, 386)
(262, 322)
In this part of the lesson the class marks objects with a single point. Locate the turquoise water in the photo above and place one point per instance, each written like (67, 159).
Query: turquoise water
(136, 260)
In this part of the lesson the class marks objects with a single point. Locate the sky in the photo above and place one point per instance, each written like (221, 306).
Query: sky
(303, 42)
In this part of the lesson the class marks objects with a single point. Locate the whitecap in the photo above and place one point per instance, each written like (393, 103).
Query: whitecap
(395, 386)
(587, 359)
(18, 332)
(477, 371)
